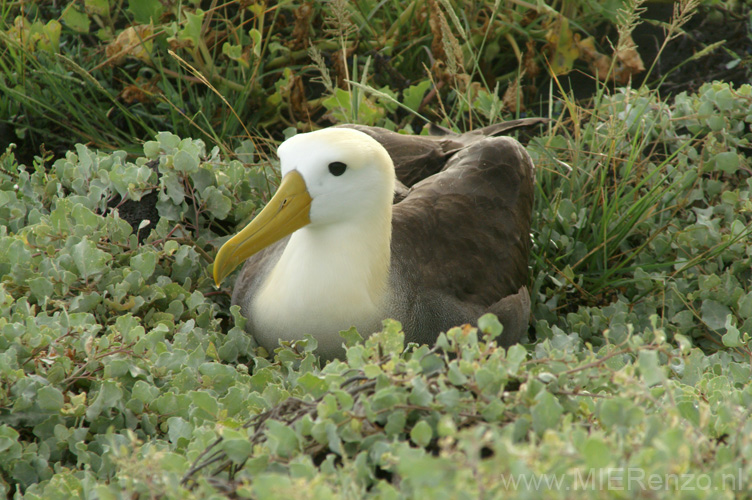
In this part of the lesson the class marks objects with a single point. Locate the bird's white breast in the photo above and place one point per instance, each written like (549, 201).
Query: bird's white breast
(328, 279)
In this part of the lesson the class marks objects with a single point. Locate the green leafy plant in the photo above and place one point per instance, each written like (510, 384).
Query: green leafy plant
(123, 371)
(630, 207)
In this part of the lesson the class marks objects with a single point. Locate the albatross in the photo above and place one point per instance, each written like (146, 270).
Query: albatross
(368, 224)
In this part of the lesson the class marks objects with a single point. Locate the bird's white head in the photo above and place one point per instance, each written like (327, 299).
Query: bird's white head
(346, 172)
(329, 177)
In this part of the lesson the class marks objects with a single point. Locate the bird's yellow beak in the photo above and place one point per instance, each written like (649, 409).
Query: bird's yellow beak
(287, 211)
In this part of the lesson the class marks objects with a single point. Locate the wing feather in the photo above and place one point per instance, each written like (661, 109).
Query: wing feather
(417, 157)
(462, 236)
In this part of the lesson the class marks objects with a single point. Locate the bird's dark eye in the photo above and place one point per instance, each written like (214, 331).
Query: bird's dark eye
(337, 168)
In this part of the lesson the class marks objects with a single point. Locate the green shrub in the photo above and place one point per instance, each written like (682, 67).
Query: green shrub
(123, 372)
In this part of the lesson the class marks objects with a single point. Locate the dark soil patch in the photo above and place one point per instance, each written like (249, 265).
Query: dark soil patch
(730, 62)
(674, 72)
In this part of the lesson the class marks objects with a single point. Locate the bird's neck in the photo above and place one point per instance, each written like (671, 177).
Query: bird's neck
(328, 279)
(338, 260)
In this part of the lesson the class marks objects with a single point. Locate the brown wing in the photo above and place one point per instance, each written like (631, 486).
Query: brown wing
(417, 157)
(464, 233)
(252, 275)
